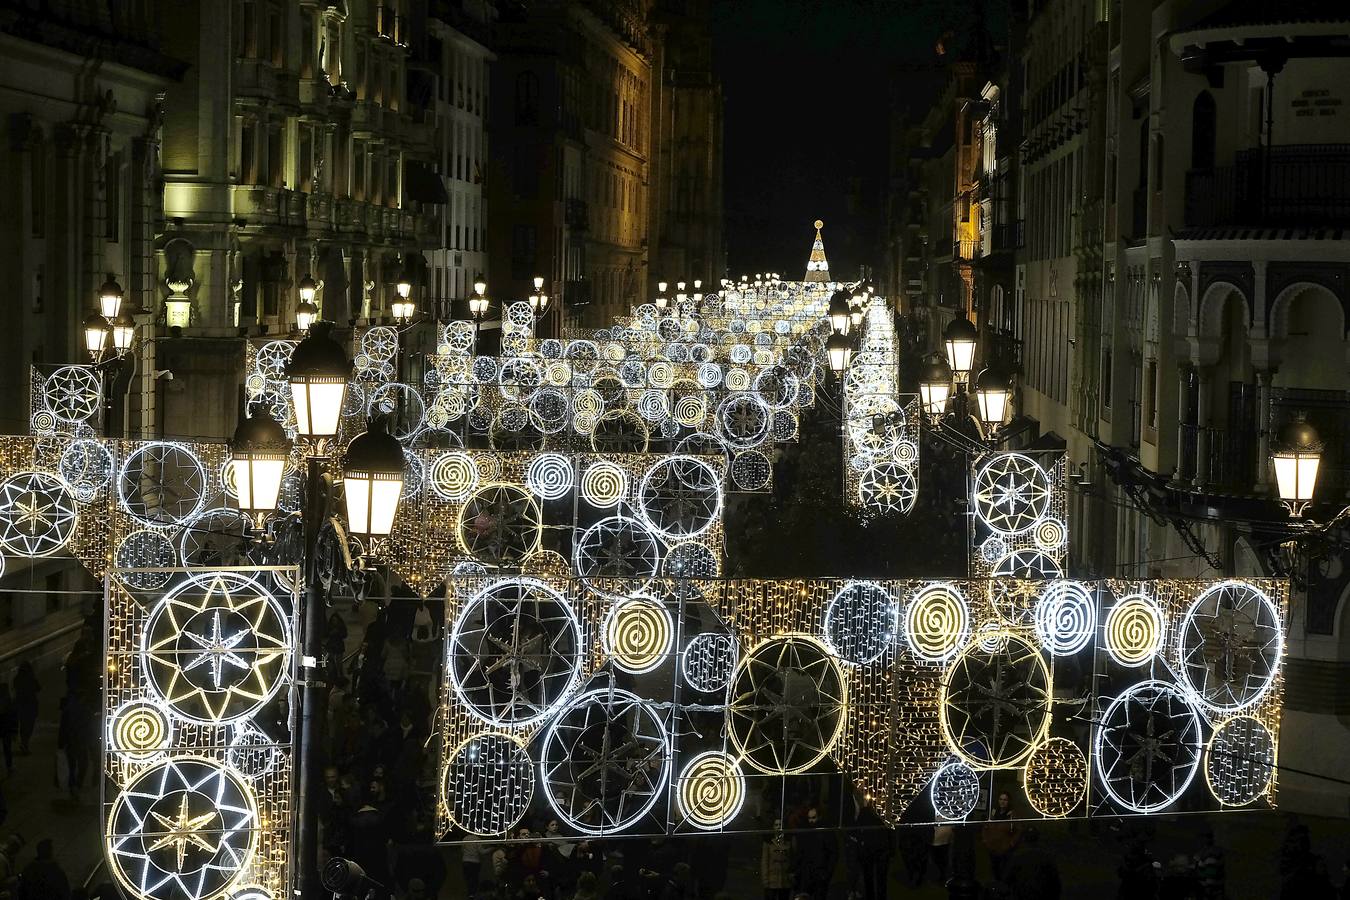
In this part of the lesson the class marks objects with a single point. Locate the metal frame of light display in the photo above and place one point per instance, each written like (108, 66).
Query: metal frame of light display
(659, 707)
(881, 426)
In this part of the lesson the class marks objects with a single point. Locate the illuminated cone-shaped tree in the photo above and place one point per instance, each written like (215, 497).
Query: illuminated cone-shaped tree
(817, 266)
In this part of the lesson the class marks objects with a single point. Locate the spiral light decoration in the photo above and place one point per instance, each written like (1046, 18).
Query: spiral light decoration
(1065, 617)
(453, 476)
(139, 731)
(549, 476)
(690, 410)
(604, 484)
(710, 790)
(1134, 630)
(637, 634)
(937, 622)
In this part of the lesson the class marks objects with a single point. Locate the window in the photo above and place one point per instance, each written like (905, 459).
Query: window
(1151, 392)
(523, 251)
(527, 99)
(112, 179)
(1106, 378)
(37, 187)
(1203, 132)
(248, 153)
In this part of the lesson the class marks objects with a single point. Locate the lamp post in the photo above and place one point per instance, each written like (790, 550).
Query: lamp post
(258, 455)
(661, 300)
(1296, 457)
(840, 351)
(992, 395)
(110, 298)
(839, 313)
(95, 336)
(478, 303)
(959, 339)
(935, 385)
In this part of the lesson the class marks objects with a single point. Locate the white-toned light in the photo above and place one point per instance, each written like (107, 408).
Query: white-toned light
(317, 401)
(372, 501)
(257, 479)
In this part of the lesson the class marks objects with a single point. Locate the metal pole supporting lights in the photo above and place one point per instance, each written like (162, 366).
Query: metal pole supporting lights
(935, 385)
(318, 373)
(839, 313)
(959, 338)
(1296, 457)
(373, 481)
(259, 452)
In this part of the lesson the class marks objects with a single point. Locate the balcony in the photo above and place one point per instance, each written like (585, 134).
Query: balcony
(968, 249)
(1294, 185)
(266, 207)
(261, 80)
(577, 215)
(1229, 459)
(1007, 236)
(576, 293)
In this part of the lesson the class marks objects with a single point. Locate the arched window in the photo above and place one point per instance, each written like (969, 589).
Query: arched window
(1203, 132)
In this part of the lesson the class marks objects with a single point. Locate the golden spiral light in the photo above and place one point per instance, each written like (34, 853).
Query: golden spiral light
(737, 380)
(604, 484)
(139, 731)
(690, 410)
(937, 622)
(637, 635)
(588, 401)
(1050, 534)
(453, 475)
(1134, 630)
(711, 790)
(1055, 777)
(661, 374)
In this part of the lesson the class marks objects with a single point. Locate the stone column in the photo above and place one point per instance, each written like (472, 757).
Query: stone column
(1202, 414)
(1263, 380)
(1183, 398)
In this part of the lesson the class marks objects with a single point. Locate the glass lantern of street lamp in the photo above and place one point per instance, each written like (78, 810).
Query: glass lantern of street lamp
(839, 313)
(661, 301)
(305, 314)
(478, 303)
(992, 394)
(840, 352)
(855, 316)
(403, 310)
(258, 455)
(403, 287)
(373, 481)
(123, 333)
(959, 338)
(935, 385)
(318, 372)
(1296, 457)
(307, 288)
(110, 298)
(95, 334)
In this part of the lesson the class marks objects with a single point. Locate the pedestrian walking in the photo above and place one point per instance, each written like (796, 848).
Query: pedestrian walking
(26, 690)
(1001, 835)
(817, 851)
(43, 878)
(9, 726)
(775, 864)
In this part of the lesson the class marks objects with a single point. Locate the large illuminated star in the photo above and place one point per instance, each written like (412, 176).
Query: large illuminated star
(217, 650)
(34, 513)
(181, 830)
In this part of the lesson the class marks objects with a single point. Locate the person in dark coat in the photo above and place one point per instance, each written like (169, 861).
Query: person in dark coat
(368, 840)
(1031, 873)
(43, 878)
(26, 690)
(9, 725)
(817, 852)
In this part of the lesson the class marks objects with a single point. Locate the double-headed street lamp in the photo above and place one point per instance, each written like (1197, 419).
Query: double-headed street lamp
(538, 299)
(946, 391)
(372, 485)
(110, 320)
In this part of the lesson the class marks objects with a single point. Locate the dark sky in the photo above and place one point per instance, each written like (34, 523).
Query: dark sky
(807, 87)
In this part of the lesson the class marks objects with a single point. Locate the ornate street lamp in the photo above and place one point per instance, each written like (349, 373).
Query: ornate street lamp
(123, 333)
(258, 455)
(661, 300)
(959, 338)
(110, 298)
(840, 351)
(1296, 457)
(935, 385)
(538, 300)
(318, 372)
(95, 335)
(403, 310)
(839, 313)
(992, 394)
(306, 313)
(373, 481)
(478, 303)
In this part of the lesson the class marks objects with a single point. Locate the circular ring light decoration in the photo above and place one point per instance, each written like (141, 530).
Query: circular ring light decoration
(43, 422)
(955, 791)
(888, 487)
(38, 514)
(453, 476)
(861, 622)
(1012, 493)
(637, 634)
(787, 703)
(744, 420)
(709, 661)
(252, 892)
(710, 790)
(1050, 534)
(1055, 777)
(603, 484)
(937, 622)
(145, 549)
(139, 731)
(1025, 565)
(1148, 746)
(1230, 643)
(604, 761)
(252, 753)
(751, 470)
(549, 476)
(216, 648)
(618, 548)
(515, 652)
(500, 525)
(1134, 630)
(182, 829)
(380, 343)
(690, 560)
(87, 466)
(680, 497)
(1065, 617)
(489, 784)
(620, 431)
(162, 484)
(72, 393)
(995, 707)
(1240, 761)
(690, 410)
(993, 549)
(271, 359)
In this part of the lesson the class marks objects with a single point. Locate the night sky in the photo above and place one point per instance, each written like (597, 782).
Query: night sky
(807, 85)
